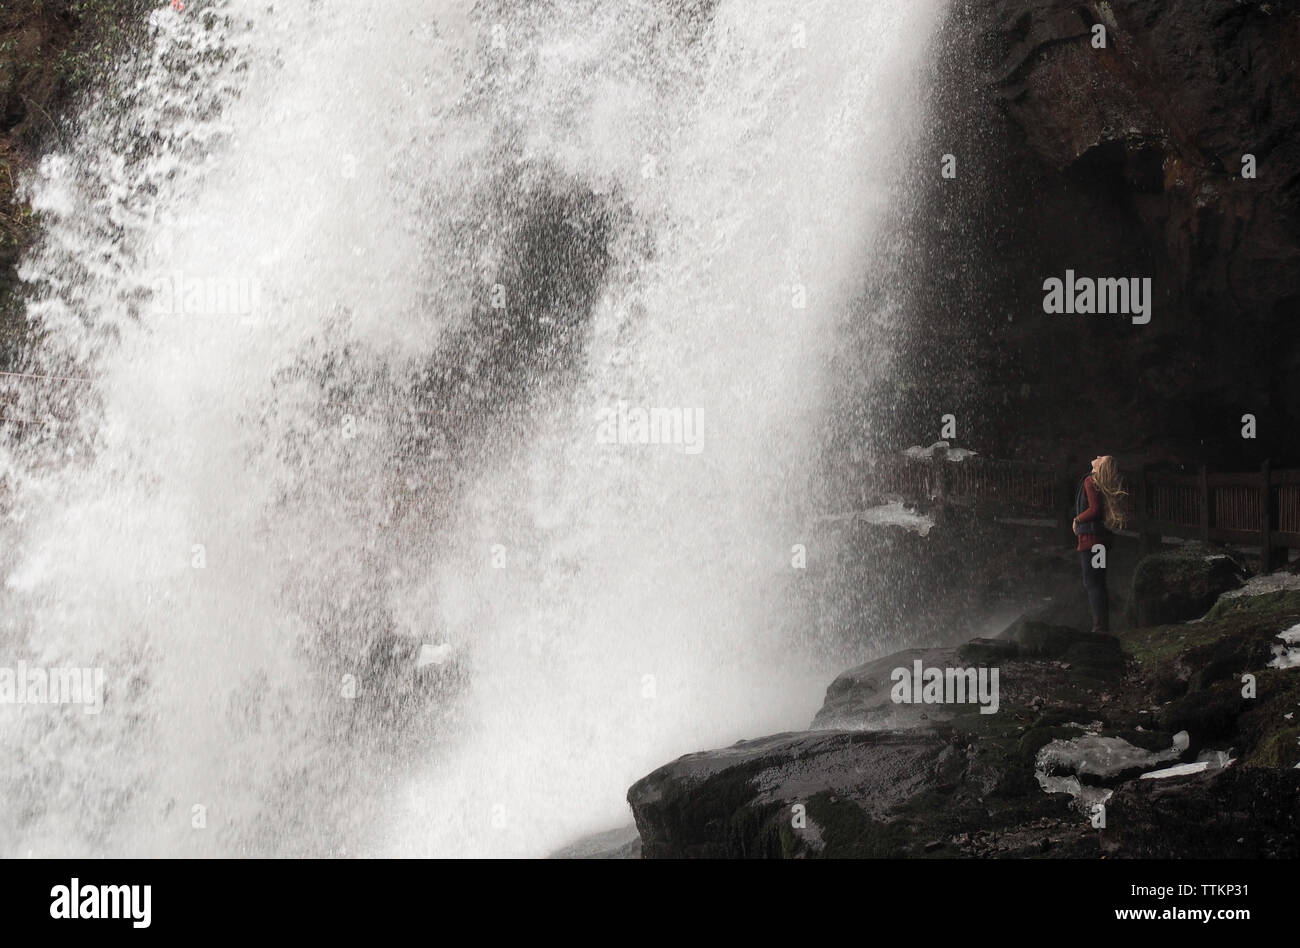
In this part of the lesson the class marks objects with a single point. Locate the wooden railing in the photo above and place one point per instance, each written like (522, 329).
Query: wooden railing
(980, 483)
(1251, 508)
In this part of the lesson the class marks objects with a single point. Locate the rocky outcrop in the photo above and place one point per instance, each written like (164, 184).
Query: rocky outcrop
(791, 795)
(1083, 756)
(860, 697)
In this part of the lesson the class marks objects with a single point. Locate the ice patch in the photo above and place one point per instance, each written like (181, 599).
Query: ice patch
(939, 449)
(433, 655)
(1103, 757)
(895, 514)
(1085, 795)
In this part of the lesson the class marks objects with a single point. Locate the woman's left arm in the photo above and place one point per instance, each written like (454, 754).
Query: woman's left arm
(1094, 503)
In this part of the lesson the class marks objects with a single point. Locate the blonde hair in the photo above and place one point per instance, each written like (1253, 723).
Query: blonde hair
(1106, 479)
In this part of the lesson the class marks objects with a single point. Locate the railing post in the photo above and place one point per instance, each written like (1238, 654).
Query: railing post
(1204, 500)
(1065, 507)
(1148, 540)
(1266, 558)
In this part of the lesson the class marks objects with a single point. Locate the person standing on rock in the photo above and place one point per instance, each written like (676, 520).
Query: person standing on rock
(1098, 511)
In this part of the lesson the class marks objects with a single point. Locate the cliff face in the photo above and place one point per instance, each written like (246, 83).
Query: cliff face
(1122, 161)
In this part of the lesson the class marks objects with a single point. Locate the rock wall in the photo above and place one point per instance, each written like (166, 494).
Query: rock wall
(1124, 161)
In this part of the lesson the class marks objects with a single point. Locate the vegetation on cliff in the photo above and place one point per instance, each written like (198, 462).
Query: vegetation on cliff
(50, 52)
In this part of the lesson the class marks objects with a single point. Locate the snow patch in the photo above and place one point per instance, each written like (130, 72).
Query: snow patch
(1259, 585)
(1177, 771)
(1287, 655)
(1207, 760)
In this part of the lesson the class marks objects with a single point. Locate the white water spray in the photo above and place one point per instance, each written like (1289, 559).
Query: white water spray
(472, 229)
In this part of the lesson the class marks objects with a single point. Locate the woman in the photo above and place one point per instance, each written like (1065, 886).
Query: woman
(1098, 510)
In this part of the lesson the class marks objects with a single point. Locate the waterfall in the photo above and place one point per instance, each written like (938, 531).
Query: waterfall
(359, 324)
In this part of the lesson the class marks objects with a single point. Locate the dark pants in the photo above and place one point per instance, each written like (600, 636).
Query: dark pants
(1094, 582)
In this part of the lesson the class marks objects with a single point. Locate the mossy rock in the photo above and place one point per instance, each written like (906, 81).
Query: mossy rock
(1265, 736)
(1182, 584)
(1279, 749)
(1207, 716)
(1236, 636)
(1240, 650)
(1280, 604)
(849, 832)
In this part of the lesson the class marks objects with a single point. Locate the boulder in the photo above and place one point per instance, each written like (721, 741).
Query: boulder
(1090, 654)
(860, 697)
(820, 793)
(1179, 585)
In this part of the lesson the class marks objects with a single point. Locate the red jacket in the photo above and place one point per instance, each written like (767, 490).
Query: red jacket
(1094, 512)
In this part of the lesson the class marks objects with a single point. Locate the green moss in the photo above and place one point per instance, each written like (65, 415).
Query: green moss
(106, 29)
(1208, 716)
(849, 833)
(1265, 737)
(1163, 644)
(1283, 603)
(1279, 749)
(49, 54)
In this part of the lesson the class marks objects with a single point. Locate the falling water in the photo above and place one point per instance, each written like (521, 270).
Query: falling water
(335, 302)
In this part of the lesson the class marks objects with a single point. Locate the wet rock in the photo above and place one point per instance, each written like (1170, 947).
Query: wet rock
(821, 793)
(860, 697)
